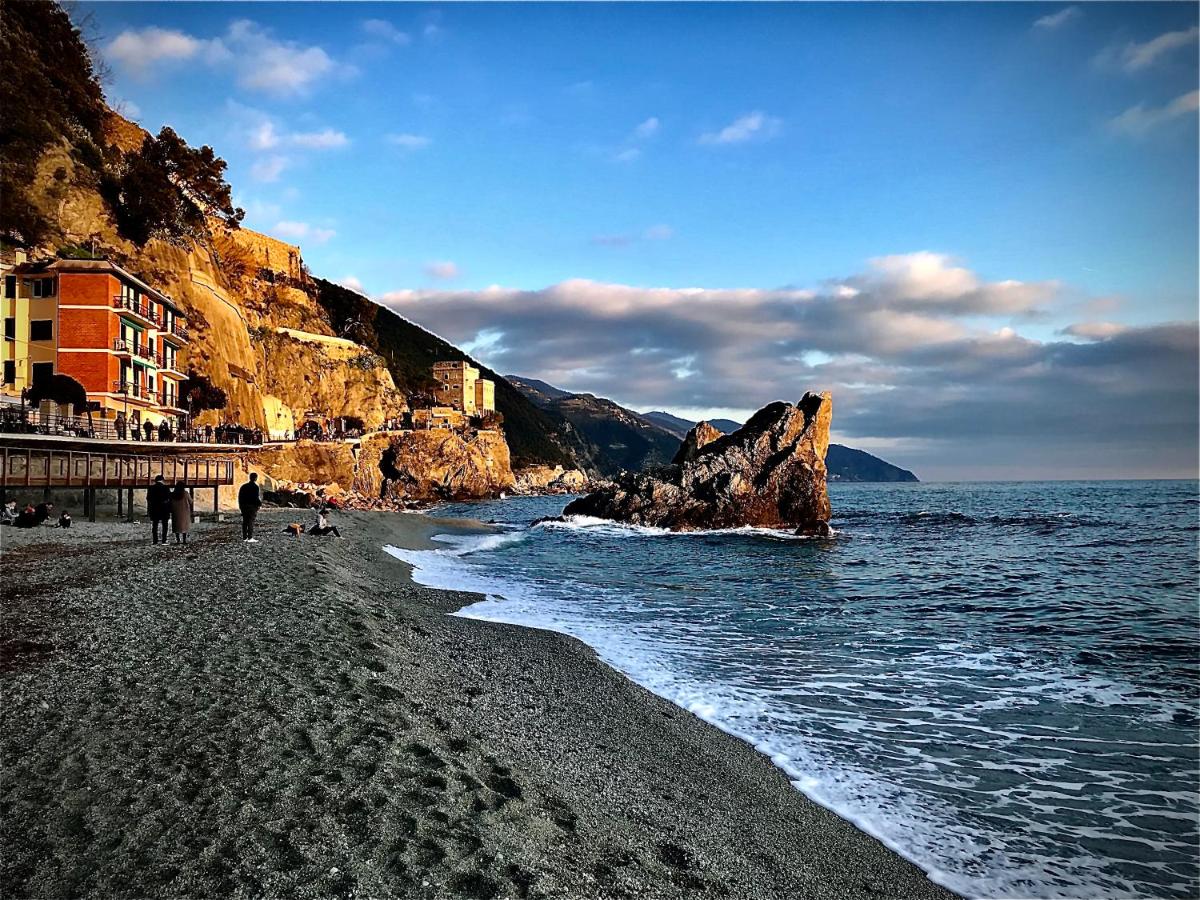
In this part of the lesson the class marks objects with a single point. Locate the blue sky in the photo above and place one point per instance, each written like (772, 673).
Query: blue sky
(427, 153)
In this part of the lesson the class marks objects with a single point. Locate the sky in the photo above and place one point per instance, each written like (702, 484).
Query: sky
(975, 224)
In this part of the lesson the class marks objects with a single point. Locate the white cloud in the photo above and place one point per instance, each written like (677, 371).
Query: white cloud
(352, 283)
(441, 269)
(138, 50)
(261, 61)
(1141, 119)
(127, 108)
(409, 141)
(752, 126)
(901, 344)
(300, 231)
(658, 233)
(386, 31)
(1058, 19)
(268, 168)
(1139, 56)
(319, 140)
(629, 154)
(646, 129)
(1094, 331)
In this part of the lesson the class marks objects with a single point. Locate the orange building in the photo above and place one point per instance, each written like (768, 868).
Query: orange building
(110, 331)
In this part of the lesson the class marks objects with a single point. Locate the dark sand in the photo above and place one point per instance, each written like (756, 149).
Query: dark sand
(297, 718)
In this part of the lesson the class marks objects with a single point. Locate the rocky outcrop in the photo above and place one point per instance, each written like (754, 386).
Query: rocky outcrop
(436, 465)
(701, 435)
(549, 480)
(769, 473)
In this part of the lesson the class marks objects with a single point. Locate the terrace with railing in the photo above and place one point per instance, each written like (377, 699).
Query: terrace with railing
(143, 311)
(141, 351)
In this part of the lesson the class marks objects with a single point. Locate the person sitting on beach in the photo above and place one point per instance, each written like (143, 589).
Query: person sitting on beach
(158, 505)
(64, 521)
(322, 527)
(249, 502)
(181, 513)
(31, 516)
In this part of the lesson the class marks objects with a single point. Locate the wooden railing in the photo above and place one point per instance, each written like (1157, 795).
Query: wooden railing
(40, 468)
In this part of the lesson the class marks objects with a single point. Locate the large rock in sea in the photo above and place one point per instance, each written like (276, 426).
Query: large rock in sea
(768, 473)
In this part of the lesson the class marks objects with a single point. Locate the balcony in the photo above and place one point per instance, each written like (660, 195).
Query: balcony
(176, 333)
(171, 401)
(132, 389)
(123, 347)
(135, 309)
(169, 368)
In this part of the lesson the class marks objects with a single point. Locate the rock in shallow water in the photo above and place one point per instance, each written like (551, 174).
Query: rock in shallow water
(769, 473)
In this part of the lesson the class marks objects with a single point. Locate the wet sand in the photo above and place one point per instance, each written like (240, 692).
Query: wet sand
(296, 717)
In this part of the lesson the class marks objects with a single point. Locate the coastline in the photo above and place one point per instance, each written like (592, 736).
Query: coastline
(299, 717)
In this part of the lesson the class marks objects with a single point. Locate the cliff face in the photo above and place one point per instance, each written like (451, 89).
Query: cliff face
(437, 465)
(769, 473)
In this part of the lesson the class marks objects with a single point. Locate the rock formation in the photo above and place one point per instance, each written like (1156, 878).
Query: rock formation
(701, 435)
(769, 473)
(436, 465)
(549, 480)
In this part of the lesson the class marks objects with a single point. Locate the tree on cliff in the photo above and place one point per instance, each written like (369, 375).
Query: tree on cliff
(199, 393)
(49, 92)
(168, 190)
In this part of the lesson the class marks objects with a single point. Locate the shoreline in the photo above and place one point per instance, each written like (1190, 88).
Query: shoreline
(300, 717)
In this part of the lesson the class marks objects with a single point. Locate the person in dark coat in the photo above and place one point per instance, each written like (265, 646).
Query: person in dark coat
(181, 513)
(158, 505)
(249, 501)
(148, 429)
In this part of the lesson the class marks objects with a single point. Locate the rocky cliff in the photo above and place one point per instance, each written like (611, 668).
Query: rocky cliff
(281, 344)
(769, 473)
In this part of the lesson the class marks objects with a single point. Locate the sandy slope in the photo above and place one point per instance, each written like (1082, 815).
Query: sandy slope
(296, 718)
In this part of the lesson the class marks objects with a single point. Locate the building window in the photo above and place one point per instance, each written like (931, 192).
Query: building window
(10, 286)
(10, 328)
(10, 371)
(41, 287)
(41, 330)
(42, 371)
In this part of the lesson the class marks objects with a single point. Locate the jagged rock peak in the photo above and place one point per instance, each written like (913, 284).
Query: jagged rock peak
(769, 473)
(701, 434)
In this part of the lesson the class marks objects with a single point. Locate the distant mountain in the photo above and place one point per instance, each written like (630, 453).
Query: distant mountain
(611, 438)
(848, 464)
(843, 463)
(606, 438)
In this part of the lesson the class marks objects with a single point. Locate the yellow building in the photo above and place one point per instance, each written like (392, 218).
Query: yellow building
(460, 387)
(30, 312)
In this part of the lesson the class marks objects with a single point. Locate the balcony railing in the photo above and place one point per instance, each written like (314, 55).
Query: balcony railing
(142, 310)
(176, 331)
(132, 389)
(171, 401)
(142, 351)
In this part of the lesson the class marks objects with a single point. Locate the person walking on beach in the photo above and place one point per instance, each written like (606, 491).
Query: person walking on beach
(181, 513)
(158, 506)
(249, 500)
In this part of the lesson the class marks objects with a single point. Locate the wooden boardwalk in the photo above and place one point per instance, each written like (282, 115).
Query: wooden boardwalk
(32, 462)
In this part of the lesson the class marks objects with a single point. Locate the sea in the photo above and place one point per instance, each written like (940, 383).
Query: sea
(1000, 681)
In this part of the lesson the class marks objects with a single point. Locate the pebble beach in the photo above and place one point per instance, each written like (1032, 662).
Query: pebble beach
(297, 718)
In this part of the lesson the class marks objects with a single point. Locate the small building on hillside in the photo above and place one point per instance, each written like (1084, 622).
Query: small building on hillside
(460, 387)
(443, 417)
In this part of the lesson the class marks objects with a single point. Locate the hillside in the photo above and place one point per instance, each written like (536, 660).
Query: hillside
(681, 427)
(80, 180)
(848, 464)
(608, 439)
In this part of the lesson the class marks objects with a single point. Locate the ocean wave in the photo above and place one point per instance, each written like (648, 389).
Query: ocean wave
(621, 529)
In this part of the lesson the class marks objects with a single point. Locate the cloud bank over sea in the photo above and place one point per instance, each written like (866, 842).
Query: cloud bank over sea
(925, 357)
